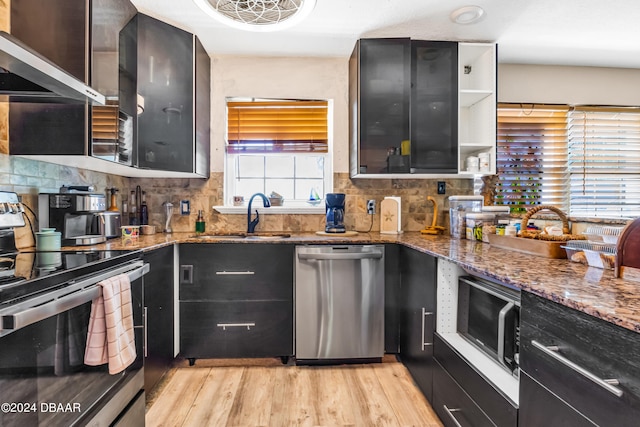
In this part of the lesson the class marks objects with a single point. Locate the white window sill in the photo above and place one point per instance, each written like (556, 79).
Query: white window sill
(273, 210)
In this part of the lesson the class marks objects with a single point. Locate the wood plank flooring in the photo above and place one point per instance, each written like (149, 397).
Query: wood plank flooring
(379, 394)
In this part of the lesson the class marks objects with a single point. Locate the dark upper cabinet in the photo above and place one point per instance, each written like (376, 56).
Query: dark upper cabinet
(434, 107)
(83, 38)
(168, 139)
(403, 105)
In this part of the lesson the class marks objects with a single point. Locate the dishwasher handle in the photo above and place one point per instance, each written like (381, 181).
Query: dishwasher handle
(340, 256)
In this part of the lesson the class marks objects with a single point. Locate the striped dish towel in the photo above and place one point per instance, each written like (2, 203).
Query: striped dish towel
(111, 337)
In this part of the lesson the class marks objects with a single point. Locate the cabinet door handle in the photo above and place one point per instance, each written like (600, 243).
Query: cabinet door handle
(425, 313)
(450, 413)
(145, 342)
(224, 326)
(552, 351)
(235, 273)
(502, 319)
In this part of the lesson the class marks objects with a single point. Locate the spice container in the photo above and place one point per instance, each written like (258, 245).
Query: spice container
(459, 206)
(475, 223)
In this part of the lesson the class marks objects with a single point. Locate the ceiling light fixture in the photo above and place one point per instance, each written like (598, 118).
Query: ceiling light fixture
(257, 15)
(467, 15)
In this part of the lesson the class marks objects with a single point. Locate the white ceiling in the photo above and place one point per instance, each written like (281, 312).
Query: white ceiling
(563, 32)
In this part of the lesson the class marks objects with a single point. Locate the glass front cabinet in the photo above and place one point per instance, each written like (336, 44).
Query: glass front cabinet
(420, 108)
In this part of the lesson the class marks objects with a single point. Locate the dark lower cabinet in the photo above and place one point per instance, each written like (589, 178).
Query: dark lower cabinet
(540, 407)
(236, 300)
(159, 315)
(391, 298)
(589, 364)
(454, 407)
(484, 398)
(417, 315)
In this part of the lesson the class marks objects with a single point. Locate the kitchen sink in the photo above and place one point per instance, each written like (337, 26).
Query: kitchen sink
(267, 236)
(240, 235)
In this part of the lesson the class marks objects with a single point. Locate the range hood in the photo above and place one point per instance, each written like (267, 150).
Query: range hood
(28, 76)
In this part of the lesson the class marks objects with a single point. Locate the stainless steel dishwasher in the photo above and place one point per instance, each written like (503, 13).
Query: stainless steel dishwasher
(339, 302)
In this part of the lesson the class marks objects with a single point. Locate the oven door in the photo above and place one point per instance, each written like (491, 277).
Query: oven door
(43, 378)
(489, 318)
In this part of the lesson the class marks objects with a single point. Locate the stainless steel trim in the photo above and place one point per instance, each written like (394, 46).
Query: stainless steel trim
(75, 294)
(145, 342)
(23, 61)
(501, 330)
(450, 413)
(552, 351)
(235, 273)
(340, 256)
(425, 313)
(248, 325)
(490, 291)
(106, 414)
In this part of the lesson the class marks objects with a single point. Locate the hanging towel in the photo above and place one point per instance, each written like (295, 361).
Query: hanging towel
(111, 338)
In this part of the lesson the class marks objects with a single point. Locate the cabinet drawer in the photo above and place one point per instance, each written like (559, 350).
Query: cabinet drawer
(498, 408)
(236, 272)
(540, 407)
(572, 353)
(454, 407)
(236, 329)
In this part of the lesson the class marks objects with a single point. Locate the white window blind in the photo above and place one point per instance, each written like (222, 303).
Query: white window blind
(604, 161)
(532, 156)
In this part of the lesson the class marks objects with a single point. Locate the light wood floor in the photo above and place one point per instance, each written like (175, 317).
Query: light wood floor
(380, 394)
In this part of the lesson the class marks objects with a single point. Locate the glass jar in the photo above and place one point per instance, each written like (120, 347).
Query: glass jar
(475, 223)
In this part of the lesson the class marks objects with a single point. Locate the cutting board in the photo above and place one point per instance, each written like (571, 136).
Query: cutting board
(543, 248)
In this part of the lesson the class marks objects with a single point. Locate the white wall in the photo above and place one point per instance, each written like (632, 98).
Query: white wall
(568, 85)
(299, 78)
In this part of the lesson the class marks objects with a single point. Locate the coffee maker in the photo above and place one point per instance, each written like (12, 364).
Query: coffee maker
(334, 213)
(80, 217)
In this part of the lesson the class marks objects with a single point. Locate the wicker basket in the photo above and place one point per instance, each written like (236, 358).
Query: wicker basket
(530, 234)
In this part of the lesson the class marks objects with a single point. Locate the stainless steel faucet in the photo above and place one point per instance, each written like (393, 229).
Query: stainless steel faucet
(251, 224)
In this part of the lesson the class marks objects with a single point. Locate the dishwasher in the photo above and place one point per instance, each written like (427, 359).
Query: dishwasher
(339, 303)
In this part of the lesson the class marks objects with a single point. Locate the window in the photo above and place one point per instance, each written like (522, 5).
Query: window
(531, 156)
(279, 146)
(604, 162)
(585, 160)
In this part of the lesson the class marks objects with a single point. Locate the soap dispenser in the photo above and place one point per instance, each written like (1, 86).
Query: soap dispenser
(200, 224)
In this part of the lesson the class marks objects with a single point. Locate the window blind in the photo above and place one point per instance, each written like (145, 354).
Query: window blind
(531, 155)
(604, 161)
(277, 126)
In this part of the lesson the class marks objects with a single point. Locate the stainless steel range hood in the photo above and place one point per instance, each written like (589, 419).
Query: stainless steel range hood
(27, 75)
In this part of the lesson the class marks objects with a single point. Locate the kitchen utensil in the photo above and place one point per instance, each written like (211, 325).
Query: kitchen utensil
(433, 228)
(168, 213)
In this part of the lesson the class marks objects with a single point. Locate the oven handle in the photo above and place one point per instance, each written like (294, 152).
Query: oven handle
(66, 298)
(502, 318)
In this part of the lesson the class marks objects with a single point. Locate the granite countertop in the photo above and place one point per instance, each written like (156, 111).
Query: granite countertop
(591, 290)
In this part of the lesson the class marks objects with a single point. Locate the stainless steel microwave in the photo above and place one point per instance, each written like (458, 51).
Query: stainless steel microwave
(489, 318)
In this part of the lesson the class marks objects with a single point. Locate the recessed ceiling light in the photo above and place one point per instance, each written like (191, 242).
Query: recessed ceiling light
(257, 15)
(467, 15)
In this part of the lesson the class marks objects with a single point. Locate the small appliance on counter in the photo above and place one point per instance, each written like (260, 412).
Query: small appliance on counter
(335, 213)
(79, 216)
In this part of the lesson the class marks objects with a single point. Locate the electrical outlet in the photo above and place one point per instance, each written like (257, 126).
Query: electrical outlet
(371, 207)
(442, 187)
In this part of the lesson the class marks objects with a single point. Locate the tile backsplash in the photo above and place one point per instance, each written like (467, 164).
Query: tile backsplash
(203, 194)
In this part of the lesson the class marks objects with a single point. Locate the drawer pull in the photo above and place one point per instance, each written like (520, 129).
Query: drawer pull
(425, 313)
(450, 412)
(234, 273)
(224, 326)
(552, 351)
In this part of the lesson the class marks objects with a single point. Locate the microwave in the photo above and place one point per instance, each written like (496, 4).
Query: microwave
(489, 318)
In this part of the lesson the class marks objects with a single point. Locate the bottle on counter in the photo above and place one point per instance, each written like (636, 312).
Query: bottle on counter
(200, 224)
(144, 210)
(133, 210)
